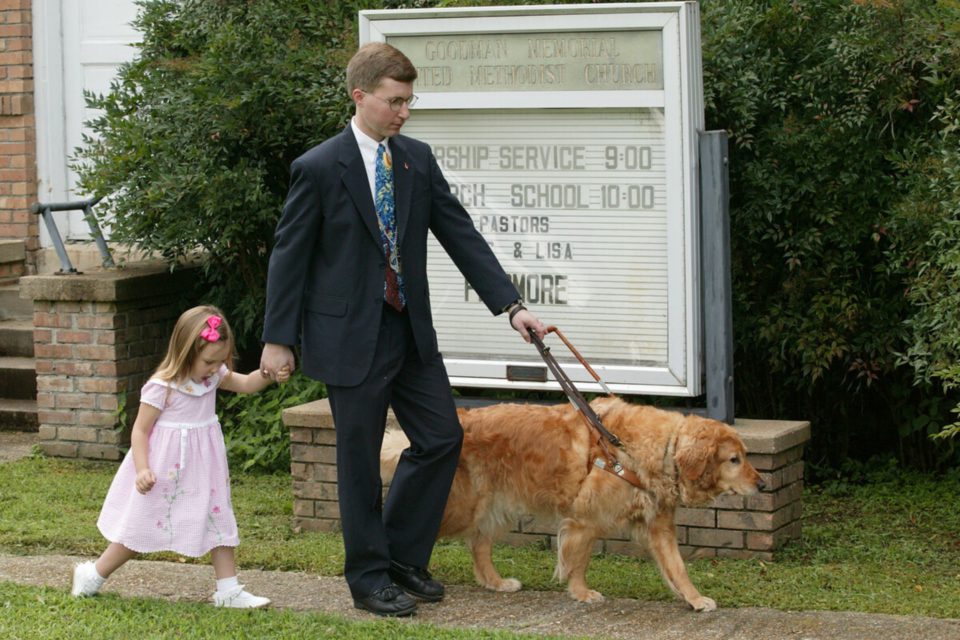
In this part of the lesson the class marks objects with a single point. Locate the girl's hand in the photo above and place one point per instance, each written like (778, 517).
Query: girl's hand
(145, 480)
(284, 374)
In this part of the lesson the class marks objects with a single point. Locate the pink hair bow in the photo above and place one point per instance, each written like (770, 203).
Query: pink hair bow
(210, 333)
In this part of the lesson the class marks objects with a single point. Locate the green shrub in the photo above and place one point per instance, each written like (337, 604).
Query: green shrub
(253, 424)
(927, 250)
(196, 136)
(832, 107)
(842, 117)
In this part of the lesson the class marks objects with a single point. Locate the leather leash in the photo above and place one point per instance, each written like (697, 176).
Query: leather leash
(601, 436)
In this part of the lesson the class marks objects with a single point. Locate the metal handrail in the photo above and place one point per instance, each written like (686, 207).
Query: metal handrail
(45, 211)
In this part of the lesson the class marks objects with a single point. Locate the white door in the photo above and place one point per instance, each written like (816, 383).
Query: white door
(78, 45)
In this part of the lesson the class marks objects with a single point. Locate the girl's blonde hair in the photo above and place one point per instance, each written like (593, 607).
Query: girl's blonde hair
(186, 343)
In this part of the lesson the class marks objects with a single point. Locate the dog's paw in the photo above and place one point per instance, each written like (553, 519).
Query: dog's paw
(508, 585)
(588, 596)
(703, 604)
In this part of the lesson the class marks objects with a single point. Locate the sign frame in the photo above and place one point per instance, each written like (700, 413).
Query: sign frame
(682, 102)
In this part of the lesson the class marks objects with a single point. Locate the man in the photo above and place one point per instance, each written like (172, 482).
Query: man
(349, 272)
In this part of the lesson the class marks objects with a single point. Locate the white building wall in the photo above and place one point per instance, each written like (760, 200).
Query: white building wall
(78, 46)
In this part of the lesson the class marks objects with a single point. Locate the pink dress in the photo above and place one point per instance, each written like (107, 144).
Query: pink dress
(188, 510)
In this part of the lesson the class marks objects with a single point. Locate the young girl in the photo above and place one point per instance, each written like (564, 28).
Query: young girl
(172, 491)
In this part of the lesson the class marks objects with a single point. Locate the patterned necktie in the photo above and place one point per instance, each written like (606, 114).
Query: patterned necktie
(386, 216)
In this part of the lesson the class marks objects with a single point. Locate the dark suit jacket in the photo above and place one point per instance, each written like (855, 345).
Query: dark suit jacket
(327, 268)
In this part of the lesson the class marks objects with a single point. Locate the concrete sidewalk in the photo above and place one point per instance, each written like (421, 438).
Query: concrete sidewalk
(15, 445)
(534, 612)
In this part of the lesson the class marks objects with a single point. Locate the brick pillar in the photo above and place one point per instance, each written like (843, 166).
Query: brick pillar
(18, 146)
(313, 454)
(97, 338)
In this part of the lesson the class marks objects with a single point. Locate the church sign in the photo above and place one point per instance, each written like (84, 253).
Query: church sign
(569, 134)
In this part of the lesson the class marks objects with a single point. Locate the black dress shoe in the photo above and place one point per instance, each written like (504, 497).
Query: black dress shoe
(416, 581)
(387, 601)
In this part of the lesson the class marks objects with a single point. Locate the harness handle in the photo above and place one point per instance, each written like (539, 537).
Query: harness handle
(552, 329)
(590, 417)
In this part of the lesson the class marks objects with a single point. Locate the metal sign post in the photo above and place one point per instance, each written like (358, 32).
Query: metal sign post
(717, 282)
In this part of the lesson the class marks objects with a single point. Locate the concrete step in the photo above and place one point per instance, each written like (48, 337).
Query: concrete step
(16, 338)
(12, 305)
(85, 256)
(12, 251)
(18, 378)
(18, 415)
(12, 255)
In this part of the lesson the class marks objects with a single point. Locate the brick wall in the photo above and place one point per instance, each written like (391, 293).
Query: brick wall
(732, 527)
(97, 338)
(18, 146)
(90, 355)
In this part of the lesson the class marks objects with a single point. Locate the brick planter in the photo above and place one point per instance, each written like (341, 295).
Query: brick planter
(97, 338)
(732, 527)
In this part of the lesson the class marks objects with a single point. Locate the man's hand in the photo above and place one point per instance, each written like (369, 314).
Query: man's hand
(275, 357)
(524, 320)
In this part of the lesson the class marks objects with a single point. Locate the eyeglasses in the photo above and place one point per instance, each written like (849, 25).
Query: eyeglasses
(396, 103)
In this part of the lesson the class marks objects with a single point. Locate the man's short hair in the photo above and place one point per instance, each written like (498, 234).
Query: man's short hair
(375, 61)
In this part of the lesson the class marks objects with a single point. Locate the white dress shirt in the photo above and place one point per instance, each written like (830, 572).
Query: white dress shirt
(368, 151)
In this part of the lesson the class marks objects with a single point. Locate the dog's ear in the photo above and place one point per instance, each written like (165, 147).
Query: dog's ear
(696, 458)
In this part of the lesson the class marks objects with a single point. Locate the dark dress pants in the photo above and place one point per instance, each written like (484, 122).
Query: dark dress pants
(405, 527)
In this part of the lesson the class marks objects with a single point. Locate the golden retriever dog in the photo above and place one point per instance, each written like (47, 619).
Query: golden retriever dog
(538, 460)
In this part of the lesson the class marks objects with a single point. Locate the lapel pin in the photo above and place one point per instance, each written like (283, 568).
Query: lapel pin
(406, 166)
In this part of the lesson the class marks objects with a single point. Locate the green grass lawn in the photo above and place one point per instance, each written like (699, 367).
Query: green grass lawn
(889, 547)
(29, 612)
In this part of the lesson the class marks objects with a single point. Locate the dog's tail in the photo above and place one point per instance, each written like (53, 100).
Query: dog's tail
(562, 570)
(394, 443)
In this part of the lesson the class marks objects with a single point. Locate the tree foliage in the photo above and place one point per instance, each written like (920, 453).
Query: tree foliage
(845, 183)
(839, 116)
(197, 134)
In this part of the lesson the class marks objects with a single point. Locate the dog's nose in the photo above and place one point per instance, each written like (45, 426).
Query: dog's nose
(761, 485)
